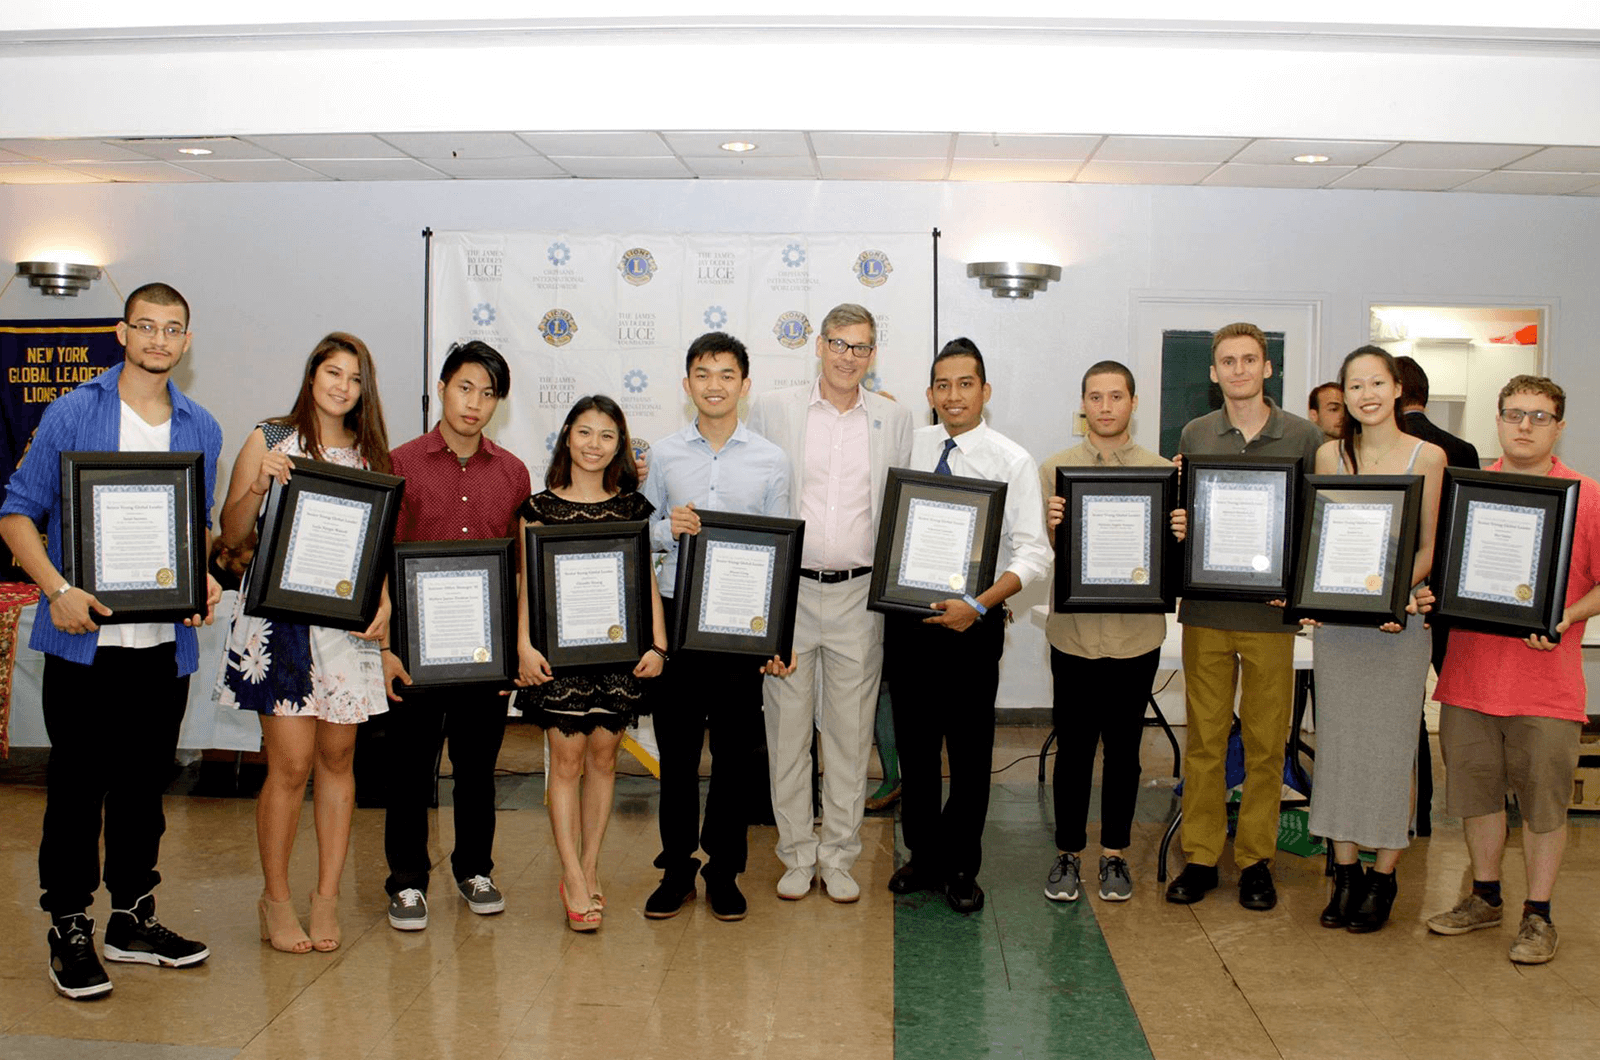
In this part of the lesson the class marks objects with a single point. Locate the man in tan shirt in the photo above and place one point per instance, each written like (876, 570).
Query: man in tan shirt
(1108, 659)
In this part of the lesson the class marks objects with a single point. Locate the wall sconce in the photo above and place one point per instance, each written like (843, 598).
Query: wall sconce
(1013, 279)
(58, 278)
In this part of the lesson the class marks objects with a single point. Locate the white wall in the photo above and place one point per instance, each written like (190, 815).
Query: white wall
(270, 268)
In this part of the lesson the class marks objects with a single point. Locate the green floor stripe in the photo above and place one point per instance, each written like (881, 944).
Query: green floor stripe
(1026, 977)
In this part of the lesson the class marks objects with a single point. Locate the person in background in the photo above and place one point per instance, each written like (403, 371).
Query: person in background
(1326, 410)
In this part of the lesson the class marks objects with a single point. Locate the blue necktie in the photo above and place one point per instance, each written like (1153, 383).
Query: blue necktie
(943, 466)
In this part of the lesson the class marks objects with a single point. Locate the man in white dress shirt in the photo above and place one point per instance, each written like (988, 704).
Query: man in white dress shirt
(841, 440)
(952, 702)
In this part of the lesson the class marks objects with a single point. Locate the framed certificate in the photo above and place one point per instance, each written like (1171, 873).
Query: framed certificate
(1240, 544)
(133, 533)
(738, 579)
(1114, 547)
(589, 593)
(1358, 544)
(455, 616)
(1505, 546)
(324, 548)
(937, 539)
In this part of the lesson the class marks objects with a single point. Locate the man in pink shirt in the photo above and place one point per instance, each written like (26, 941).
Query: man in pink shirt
(1512, 710)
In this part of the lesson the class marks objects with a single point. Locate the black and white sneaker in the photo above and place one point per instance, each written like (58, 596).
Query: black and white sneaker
(75, 971)
(408, 910)
(137, 937)
(482, 896)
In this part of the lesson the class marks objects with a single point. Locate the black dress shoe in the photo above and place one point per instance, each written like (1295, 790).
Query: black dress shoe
(1191, 884)
(1256, 890)
(963, 893)
(1373, 910)
(1349, 884)
(725, 899)
(908, 880)
(677, 887)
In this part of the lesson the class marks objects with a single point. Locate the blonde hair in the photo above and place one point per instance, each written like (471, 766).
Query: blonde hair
(1535, 384)
(1233, 331)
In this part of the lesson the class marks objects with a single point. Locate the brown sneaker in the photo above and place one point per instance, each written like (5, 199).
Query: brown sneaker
(1535, 942)
(1470, 914)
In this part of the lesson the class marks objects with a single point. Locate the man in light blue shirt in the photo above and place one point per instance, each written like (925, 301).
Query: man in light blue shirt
(716, 464)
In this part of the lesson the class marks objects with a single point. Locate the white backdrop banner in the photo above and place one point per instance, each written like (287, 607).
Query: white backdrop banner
(578, 313)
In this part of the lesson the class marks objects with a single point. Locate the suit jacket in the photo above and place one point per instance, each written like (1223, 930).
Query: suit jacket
(1458, 452)
(780, 417)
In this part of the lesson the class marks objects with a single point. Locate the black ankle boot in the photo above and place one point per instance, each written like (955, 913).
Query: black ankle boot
(1373, 910)
(1347, 893)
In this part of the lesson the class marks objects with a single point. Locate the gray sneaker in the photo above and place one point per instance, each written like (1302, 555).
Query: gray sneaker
(1062, 883)
(408, 910)
(1535, 942)
(1116, 885)
(1470, 914)
(482, 896)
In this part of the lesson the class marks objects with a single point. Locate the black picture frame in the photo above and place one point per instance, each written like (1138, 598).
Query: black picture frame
(1391, 507)
(781, 540)
(350, 603)
(1150, 585)
(491, 658)
(548, 547)
(892, 590)
(1270, 576)
(175, 588)
(1550, 504)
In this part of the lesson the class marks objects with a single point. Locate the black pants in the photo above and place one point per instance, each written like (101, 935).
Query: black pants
(942, 688)
(1095, 701)
(719, 694)
(113, 728)
(474, 721)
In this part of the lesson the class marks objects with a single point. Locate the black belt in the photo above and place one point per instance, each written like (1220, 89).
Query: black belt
(829, 577)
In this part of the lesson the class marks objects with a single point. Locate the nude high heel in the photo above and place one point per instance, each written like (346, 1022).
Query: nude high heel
(280, 926)
(324, 921)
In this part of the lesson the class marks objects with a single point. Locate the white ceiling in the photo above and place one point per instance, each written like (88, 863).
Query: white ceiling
(1145, 93)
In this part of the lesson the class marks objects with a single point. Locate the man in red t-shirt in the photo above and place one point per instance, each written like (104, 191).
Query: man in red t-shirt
(1511, 710)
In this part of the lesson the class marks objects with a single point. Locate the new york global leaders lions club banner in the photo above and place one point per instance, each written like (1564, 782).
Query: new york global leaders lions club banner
(580, 313)
(39, 361)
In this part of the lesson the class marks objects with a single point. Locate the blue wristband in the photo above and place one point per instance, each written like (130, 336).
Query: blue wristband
(972, 602)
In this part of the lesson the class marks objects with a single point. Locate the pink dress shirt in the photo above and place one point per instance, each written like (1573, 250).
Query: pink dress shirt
(836, 498)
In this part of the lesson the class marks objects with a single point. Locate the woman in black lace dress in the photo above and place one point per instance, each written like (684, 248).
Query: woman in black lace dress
(591, 480)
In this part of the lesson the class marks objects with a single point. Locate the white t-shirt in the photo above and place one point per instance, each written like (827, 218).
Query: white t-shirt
(137, 436)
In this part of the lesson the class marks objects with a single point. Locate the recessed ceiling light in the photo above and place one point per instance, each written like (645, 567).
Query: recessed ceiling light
(194, 150)
(1310, 160)
(738, 146)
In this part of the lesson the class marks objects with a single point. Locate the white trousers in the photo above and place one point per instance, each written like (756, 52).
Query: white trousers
(838, 644)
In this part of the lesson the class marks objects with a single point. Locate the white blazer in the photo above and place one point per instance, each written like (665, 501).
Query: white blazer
(780, 417)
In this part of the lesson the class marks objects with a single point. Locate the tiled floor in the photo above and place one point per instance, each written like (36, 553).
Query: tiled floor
(882, 978)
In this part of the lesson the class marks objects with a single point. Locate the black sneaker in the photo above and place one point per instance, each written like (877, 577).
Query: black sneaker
(677, 887)
(726, 900)
(75, 971)
(136, 936)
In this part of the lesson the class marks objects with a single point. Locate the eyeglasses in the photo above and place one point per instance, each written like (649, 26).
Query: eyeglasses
(861, 351)
(1537, 417)
(171, 331)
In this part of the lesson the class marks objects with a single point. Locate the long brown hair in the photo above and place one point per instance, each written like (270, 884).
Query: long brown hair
(1350, 430)
(621, 475)
(365, 418)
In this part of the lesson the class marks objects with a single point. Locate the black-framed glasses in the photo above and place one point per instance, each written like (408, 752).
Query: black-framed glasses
(861, 351)
(171, 331)
(1537, 417)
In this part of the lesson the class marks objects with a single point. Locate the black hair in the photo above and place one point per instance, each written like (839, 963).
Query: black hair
(620, 474)
(156, 294)
(714, 342)
(962, 347)
(478, 352)
(1107, 368)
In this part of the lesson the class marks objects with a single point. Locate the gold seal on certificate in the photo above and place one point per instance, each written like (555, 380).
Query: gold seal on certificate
(480, 655)
(615, 632)
(344, 589)
(758, 624)
(957, 582)
(1139, 576)
(1524, 593)
(1374, 582)
(165, 577)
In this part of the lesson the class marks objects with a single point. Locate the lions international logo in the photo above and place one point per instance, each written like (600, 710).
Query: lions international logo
(635, 381)
(558, 254)
(716, 317)
(483, 314)
(794, 256)
(558, 327)
(637, 266)
(792, 330)
(872, 268)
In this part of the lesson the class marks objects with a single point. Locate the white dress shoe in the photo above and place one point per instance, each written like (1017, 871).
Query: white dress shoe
(796, 883)
(842, 886)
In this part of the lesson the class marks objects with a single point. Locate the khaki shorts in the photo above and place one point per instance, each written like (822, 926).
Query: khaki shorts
(1484, 755)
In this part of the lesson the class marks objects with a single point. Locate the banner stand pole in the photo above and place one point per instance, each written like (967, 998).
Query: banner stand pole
(934, 416)
(427, 317)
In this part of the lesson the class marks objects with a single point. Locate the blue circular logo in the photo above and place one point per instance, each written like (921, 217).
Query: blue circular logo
(637, 266)
(794, 255)
(483, 314)
(550, 441)
(716, 317)
(872, 268)
(792, 330)
(558, 327)
(636, 381)
(559, 254)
